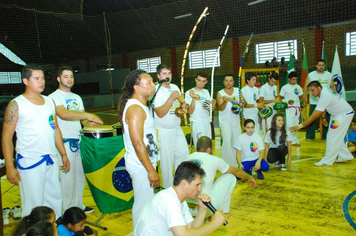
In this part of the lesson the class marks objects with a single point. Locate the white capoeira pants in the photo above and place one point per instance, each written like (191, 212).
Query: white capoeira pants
(229, 134)
(221, 193)
(200, 129)
(143, 191)
(73, 181)
(335, 146)
(292, 119)
(174, 149)
(266, 123)
(40, 186)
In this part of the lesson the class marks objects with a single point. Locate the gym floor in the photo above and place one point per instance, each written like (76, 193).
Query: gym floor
(304, 200)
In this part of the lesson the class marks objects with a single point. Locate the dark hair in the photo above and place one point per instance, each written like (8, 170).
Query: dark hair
(162, 66)
(274, 75)
(202, 74)
(274, 129)
(204, 143)
(320, 60)
(292, 74)
(315, 84)
(187, 170)
(247, 121)
(128, 90)
(38, 214)
(27, 70)
(41, 229)
(228, 75)
(62, 68)
(250, 76)
(72, 216)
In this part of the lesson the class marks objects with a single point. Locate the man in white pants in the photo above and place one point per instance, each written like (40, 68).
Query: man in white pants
(291, 93)
(325, 79)
(171, 138)
(199, 99)
(33, 117)
(341, 116)
(140, 138)
(250, 96)
(219, 190)
(229, 122)
(70, 114)
(268, 96)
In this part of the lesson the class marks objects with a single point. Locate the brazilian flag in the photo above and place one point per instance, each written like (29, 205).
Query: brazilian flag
(104, 167)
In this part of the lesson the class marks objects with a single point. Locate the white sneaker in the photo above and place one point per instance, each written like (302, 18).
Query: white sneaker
(6, 215)
(320, 163)
(276, 164)
(16, 212)
(283, 167)
(342, 160)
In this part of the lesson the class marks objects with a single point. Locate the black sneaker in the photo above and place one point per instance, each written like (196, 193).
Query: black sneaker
(283, 167)
(260, 175)
(88, 210)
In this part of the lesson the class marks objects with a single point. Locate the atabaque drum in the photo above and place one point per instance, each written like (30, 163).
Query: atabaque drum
(280, 106)
(265, 112)
(99, 131)
(118, 128)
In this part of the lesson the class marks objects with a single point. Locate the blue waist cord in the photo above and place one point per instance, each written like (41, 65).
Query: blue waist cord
(73, 143)
(46, 158)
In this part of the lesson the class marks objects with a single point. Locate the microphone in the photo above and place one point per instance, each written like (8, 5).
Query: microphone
(212, 209)
(163, 80)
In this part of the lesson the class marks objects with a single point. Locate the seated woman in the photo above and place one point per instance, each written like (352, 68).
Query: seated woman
(278, 143)
(250, 151)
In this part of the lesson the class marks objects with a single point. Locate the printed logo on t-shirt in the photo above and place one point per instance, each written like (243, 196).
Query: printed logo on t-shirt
(52, 121)
(334, 124)
(197, 161)
(254, 96)
(280, 140)
(253, 147)
(296, 91)
(72, 105)
(274, 93)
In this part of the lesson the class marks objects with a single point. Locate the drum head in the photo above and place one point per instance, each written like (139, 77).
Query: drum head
(100, 131)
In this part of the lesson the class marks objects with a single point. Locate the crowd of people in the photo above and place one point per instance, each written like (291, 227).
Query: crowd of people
(48, 136)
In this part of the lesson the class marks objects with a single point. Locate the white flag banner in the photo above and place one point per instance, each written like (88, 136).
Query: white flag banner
(337, 76)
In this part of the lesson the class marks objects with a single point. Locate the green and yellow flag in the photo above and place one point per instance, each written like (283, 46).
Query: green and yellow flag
(104, 167)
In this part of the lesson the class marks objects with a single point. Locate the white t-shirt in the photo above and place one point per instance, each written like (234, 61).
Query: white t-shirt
(324, 79)
(292, 92)
(199, 114)
(211, 164)
(73, 102)
(268, 92)
(226, 116)
(250, 96)
(35, 128)
(332, 102)
(149, 137)
(170, 120)
(163, 212)
(278, 139)
(250, 146)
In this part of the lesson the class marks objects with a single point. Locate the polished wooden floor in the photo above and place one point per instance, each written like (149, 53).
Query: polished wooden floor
(304, 200)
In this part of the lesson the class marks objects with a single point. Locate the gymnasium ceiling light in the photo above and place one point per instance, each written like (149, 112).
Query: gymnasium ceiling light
(255, 2)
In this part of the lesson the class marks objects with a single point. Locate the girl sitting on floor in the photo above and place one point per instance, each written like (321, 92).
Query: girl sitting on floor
(72, 223)
(278, 143)
(250, 151)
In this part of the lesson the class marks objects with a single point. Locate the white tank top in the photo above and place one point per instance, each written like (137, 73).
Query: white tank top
(35, 129)
(226, 116)
(149, 137)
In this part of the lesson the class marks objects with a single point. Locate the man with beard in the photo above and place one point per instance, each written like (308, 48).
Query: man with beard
(70, 113)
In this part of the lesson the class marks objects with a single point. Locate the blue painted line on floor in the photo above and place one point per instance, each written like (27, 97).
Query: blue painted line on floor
(345, 208)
